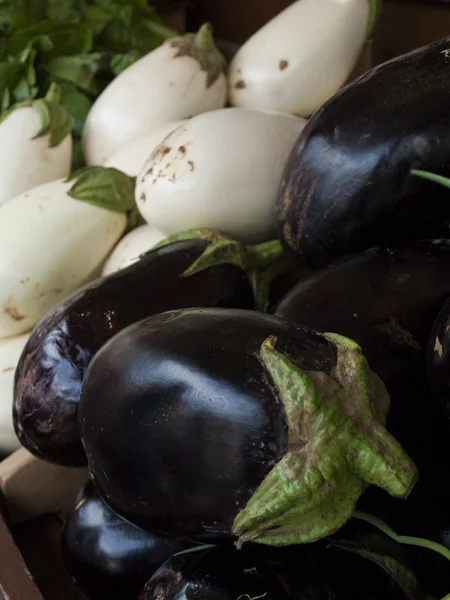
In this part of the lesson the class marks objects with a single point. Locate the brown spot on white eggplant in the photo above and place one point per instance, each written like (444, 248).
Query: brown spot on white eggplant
(240, 85)
(191, 165)
(182, 149)
(12, 311)
(142, 197)
(7, 369)
(283, 64)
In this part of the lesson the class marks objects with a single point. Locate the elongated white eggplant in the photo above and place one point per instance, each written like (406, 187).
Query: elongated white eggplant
(35, 145)
(299, 59)
(52, 238)
(220, 170)
(10, 351)
(183, 77)
(131, 158)
(131, 247)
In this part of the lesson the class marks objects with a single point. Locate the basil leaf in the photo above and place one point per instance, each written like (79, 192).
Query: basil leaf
(81, 70)
(103, 187)
(77, 103)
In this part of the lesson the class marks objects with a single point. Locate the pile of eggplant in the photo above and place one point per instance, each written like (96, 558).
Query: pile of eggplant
(239, 319)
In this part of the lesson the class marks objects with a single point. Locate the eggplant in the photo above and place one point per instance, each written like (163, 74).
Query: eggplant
(308, 573)
(194, 268)
(347, 184)
(438, 358)
(108, 557)
(386, 299)
(214, 424)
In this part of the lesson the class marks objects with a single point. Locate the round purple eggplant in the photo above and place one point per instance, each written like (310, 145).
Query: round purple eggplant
(308, 573)
(108, 557)
(347, 185)
(215, 423)
(195, 268)
(386, 299)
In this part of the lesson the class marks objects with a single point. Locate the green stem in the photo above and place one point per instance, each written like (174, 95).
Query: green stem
(266, 254)
(195, 549)
(432, 177)
(402, 539)
(53, 93)
(204, 39)
(375, 7)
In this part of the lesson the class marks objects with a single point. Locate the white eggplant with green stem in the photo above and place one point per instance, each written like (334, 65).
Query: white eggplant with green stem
(131, 248)
(303, 56)
(131, 159)
(181, 78)
(10, 352)
(35, 144)
(220, 170)
(53, 237)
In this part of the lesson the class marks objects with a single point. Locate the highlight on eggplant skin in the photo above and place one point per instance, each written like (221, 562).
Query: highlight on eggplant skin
(108, 557)
(347, 184)
(299, 573)
(438, 358)
(204, 424)
(53, 364)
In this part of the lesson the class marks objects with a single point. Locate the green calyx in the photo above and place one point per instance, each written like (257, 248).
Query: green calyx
(337, 446)
(55, 119)
(104, 187)
(223, 250)
(375, 7)
(201, 47)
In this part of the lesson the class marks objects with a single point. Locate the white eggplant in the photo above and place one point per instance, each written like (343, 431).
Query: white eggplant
(35, 145)
(299, 59)
(10, 352)
(131, 247)
(220, 170)
(181, 78)
(50, 243)
(131, 158)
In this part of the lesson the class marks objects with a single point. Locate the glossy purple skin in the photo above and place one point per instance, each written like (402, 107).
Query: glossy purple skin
(108, 557)
(311, 572)
(53, 364)
(347, 184)
(181, 421)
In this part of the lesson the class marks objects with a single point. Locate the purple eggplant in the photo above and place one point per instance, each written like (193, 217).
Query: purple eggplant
(315, 572)
(195, 268)
(108, 557)
(347, 184)
(386, 299)
(216, 424)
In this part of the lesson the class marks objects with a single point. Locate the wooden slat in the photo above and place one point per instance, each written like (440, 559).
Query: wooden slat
(16, 582)
(33, 487)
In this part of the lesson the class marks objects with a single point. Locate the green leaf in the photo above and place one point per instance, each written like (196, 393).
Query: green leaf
(97, 18)
(77, 103)
(120, 62)
(81, 70)
(66, 38)
(104, 187)
(10, 76)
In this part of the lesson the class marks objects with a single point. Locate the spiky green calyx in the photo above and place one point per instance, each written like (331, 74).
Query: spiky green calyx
(201, 47)
(337, 446)
(222, 250)
(55, 119)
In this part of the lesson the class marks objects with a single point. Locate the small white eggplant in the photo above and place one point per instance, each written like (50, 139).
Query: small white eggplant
(130, 159)
(35, 144)
(10, 352)
(220, 170)
(53, 237)
(299, 59)
(183, 77)
(131, 247)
